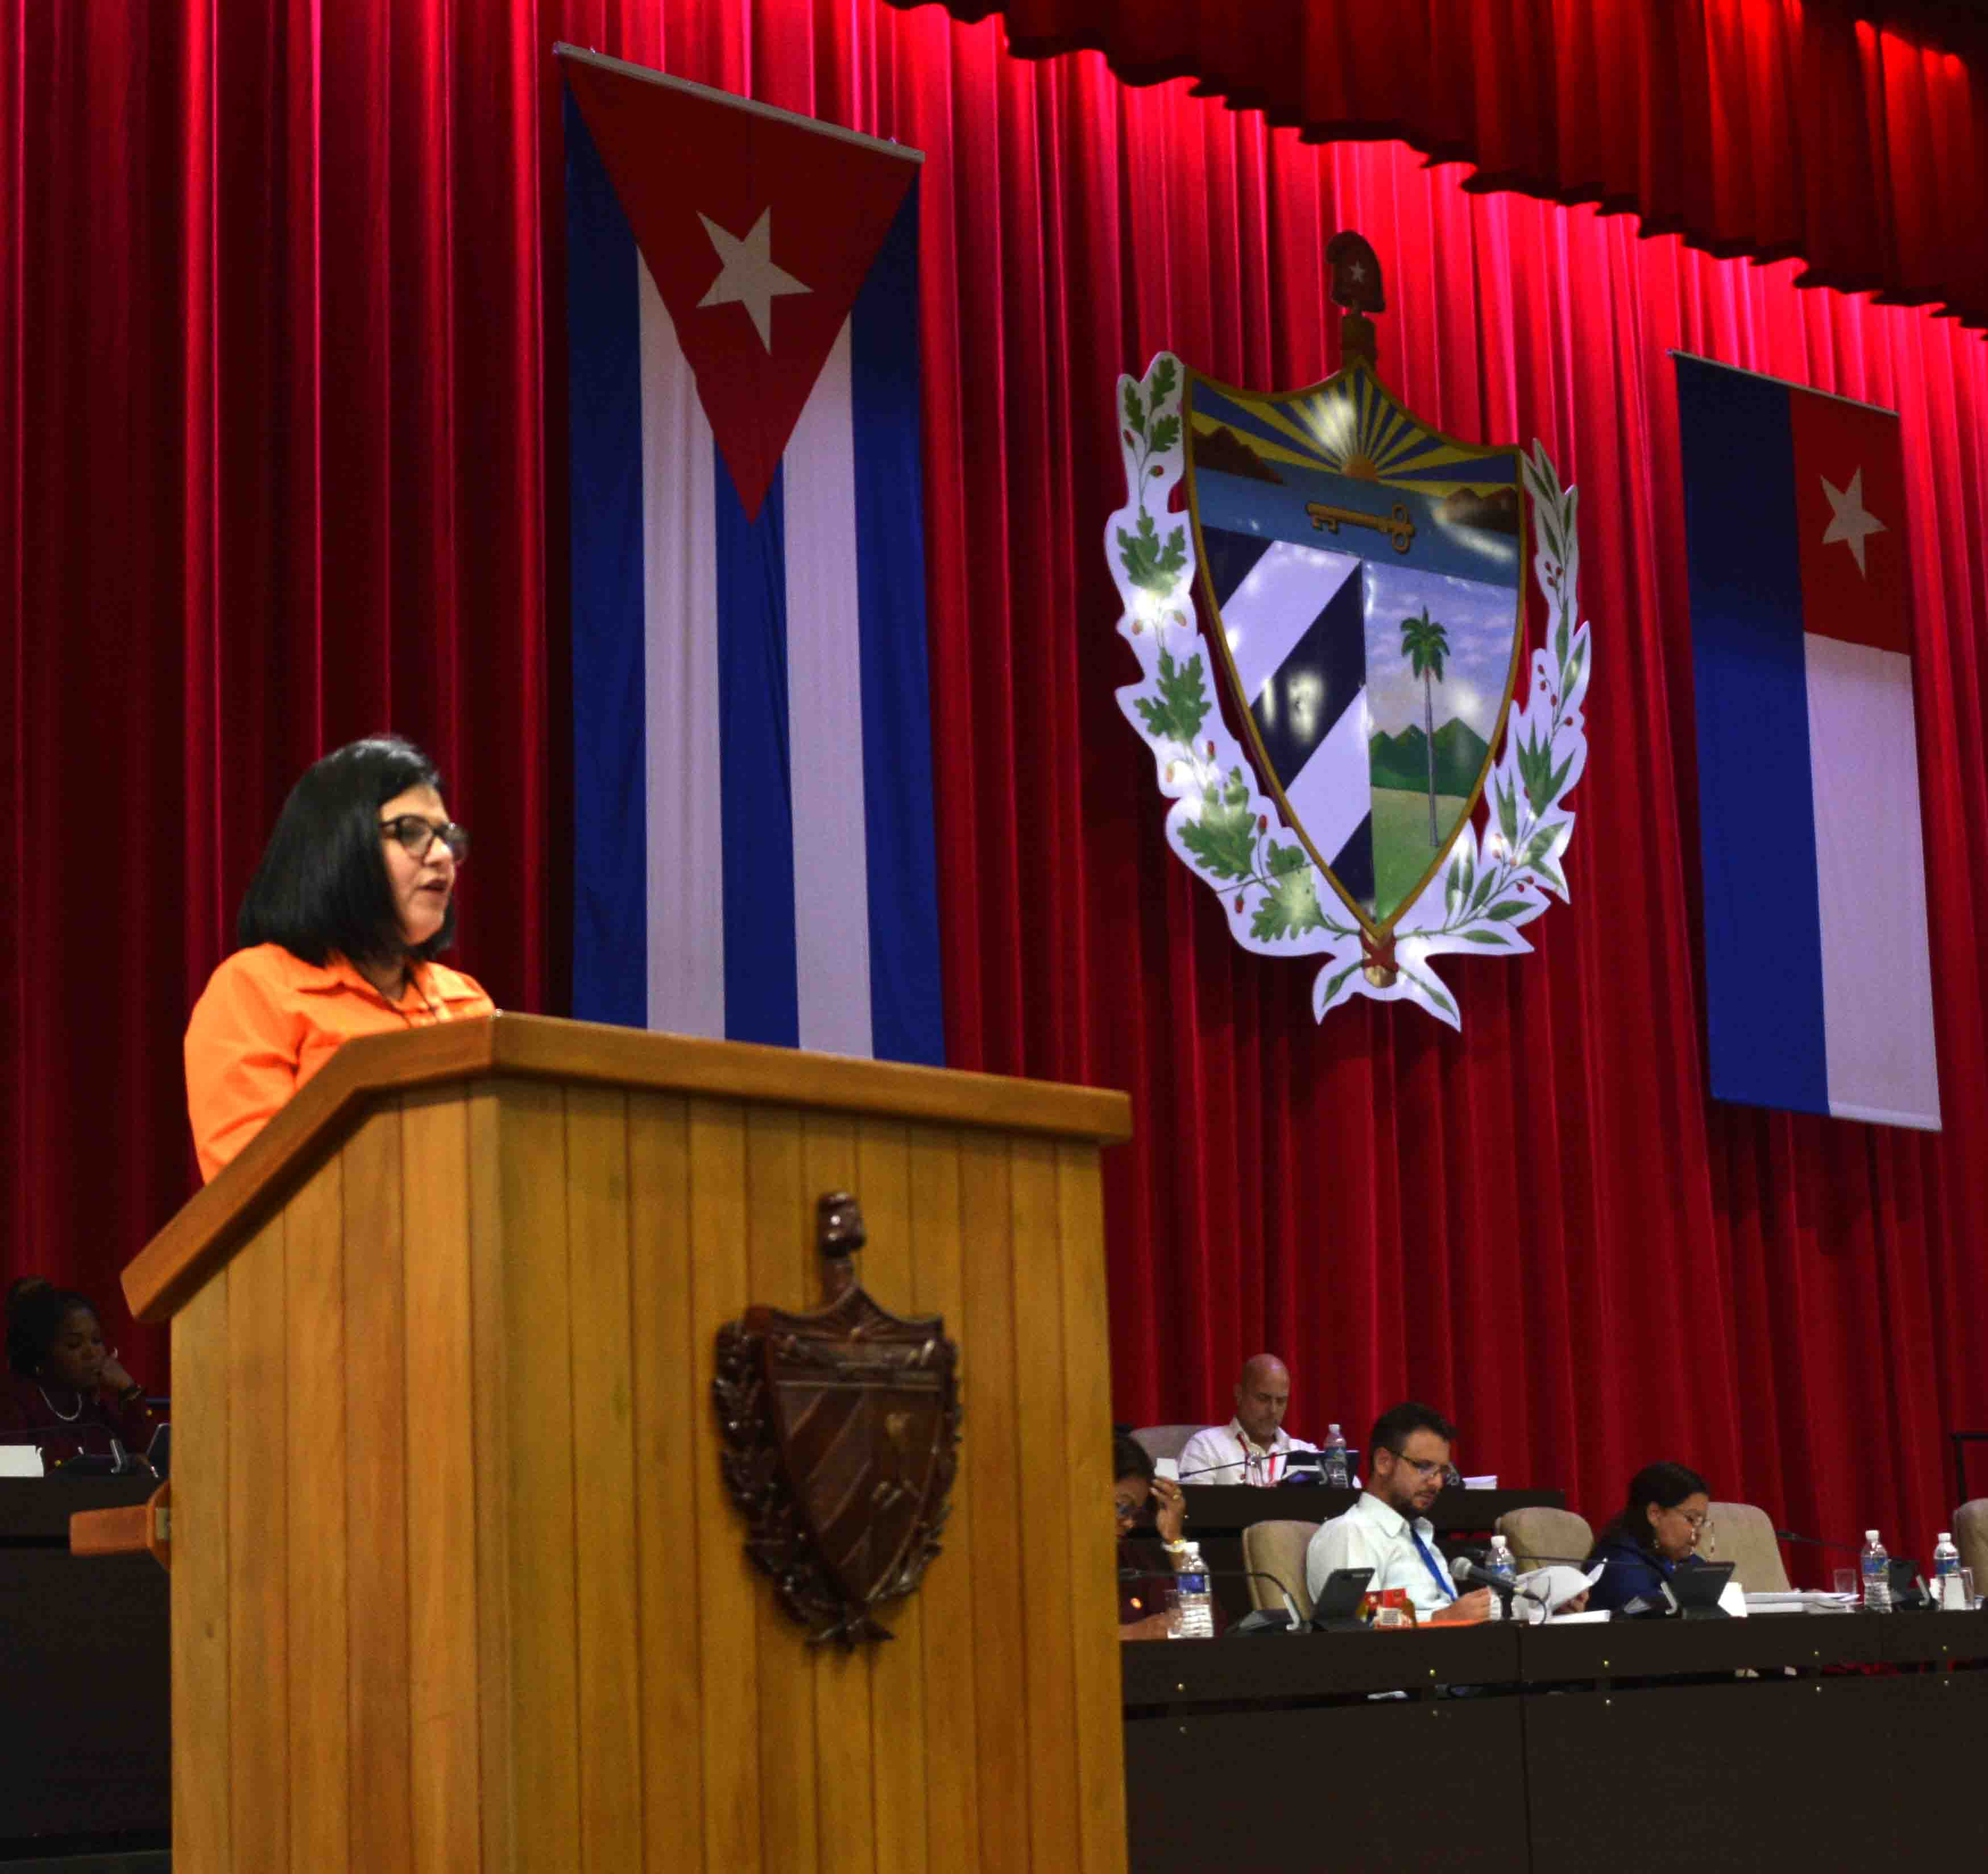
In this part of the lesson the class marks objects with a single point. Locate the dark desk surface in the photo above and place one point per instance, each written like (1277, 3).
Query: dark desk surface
(1741, 1725)
(37, 1510)
(84, 1655)
(1292, 1666)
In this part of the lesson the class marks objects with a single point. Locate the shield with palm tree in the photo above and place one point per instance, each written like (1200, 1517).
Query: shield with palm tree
(1362, 574)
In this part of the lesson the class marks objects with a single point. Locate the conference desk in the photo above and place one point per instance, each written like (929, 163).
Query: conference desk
(1218, 1513)
(1853, 1741)
(84, 1666)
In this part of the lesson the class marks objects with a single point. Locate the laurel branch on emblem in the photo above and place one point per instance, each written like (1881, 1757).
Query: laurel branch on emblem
(1499, 873)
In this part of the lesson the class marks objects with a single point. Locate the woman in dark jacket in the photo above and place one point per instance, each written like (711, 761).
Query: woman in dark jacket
(65, 1391)
(1655, 1534)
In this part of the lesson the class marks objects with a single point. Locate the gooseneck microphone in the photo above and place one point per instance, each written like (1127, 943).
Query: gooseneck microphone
(1818, 1541)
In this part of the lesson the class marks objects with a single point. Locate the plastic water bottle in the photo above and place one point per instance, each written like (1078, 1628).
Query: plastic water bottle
(1876, 1575)
(1946, 1587)
(1197, 1605)
(1332, 1465)
(1501, 1565)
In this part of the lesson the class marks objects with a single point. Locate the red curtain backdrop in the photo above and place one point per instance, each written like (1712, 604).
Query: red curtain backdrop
(280, 387)
(1854, 133)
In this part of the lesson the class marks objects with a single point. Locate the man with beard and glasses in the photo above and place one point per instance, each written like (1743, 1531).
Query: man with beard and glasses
(1388, 1530)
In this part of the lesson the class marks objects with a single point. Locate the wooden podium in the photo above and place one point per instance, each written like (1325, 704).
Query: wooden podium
(456, 1583)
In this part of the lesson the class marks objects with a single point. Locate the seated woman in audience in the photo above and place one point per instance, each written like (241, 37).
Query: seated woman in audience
(1655, 1535)
(61, 1380)
(1142, 1613)
(338, 932)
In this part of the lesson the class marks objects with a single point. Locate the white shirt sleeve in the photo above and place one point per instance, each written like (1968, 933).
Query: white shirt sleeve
(1345, 1542)
(1204, 1449)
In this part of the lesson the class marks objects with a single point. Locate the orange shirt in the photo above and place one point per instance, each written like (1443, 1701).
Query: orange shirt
(267, 1020)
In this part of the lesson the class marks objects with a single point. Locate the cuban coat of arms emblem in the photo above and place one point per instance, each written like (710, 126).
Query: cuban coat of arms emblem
(1327, 597)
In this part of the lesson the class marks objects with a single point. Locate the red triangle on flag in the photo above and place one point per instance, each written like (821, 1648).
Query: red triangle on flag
(758, 228)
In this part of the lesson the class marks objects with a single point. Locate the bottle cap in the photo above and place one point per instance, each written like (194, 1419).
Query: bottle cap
(1945, 1535)
(1332, 1431)
(1870, 1535)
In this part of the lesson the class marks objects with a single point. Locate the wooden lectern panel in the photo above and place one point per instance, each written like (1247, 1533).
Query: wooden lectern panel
(456, 1583)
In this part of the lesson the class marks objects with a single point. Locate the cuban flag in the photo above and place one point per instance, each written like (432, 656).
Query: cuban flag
(752, 824)
(1819, 983)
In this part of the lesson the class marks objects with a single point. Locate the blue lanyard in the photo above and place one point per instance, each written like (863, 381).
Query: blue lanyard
(1442, 1580)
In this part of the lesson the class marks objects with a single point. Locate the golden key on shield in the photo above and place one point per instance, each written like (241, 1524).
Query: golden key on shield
(1398, 526)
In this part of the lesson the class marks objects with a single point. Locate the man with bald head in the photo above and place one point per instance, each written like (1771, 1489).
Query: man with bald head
(1253, 1447)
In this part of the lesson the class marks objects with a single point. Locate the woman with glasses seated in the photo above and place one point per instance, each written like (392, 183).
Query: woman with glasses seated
(1653, 1534)
(1142, 1581)
(338, 932)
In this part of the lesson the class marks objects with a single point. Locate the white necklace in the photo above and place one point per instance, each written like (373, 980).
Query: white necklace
(68, 1418)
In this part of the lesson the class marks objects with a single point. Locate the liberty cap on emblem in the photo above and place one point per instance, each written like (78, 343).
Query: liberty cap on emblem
(1362, 572)
(840, 1431)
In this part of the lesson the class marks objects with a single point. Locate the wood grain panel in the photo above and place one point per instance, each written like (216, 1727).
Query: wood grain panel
(845, 1802)
(202, 1840)
(314, 1380)
(1042, 1414)
(376, 1354)
(946, 1616)
(597, 1235)
(991, 1493)
(898, 1743)
(220, 1217)
(728, 1683)
(490, 1354)
(440, 1382)
(1097, 1768)
(675, 1437)
(537, 1409)
(259, 1575)
(775, 1199)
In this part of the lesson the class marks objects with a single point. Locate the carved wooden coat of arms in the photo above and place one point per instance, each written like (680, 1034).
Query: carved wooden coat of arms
(840, 1431)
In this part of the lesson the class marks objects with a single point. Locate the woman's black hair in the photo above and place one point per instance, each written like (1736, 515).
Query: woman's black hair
(321, 886)
(1129, 1458)
(35, 1311)
(1666, 1486)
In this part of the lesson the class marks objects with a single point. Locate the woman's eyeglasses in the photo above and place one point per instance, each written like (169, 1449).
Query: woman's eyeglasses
(417, 835)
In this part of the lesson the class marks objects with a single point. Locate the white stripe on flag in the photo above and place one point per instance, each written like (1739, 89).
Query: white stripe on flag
(1334, 789)
(1275, 606)
(825, 720)
(686, 874)
(1870, 863)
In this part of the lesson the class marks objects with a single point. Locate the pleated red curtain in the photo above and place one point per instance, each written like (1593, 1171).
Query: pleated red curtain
(280, 353)
(1853, 132)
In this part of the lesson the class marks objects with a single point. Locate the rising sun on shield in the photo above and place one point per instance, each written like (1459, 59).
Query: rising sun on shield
(1362, 573)
(1327, 596)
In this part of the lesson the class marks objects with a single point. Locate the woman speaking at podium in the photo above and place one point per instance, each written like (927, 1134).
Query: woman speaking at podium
(337, 937)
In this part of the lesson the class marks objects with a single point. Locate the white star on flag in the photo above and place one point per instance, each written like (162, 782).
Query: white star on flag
(750, 278)
(1851, 519)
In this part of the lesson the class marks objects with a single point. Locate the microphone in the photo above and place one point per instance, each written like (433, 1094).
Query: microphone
(1243, 1462)
(1297, 1620)
(1818, 1541)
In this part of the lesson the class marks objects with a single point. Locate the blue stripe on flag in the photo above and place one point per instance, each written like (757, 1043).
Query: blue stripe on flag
(906, 1018)
(1756, 813)
(610, 833)
(761, 1001)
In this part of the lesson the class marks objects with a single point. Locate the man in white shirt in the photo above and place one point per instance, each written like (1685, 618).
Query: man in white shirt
(1388, 1530)
(1253, 1447)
